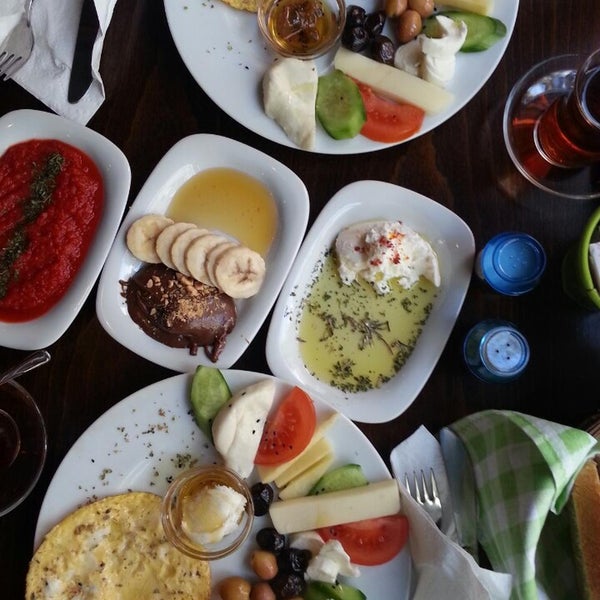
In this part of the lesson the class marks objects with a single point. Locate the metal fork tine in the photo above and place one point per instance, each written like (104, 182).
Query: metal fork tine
(12, 68)
(434, 487)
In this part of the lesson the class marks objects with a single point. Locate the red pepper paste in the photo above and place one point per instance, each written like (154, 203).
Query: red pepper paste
(51, 199)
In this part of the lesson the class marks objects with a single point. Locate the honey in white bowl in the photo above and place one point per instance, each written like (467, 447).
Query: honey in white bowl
(230, 201)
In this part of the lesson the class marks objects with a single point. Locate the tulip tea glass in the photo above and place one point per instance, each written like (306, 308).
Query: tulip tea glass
(552, 125)
(23, 445)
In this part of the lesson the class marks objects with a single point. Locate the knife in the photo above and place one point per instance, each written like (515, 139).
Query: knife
(461, 482)
(81, 71)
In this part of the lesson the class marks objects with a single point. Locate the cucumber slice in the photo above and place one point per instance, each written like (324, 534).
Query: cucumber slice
(482, 31)
(342, 478)
(209, 392)
(339, 106)
(319, 590)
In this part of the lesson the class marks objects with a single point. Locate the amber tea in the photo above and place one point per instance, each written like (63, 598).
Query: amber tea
(568, 133)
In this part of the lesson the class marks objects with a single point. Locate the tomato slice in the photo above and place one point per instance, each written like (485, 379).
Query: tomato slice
(388, 121)
(289, 430)
(371, 541)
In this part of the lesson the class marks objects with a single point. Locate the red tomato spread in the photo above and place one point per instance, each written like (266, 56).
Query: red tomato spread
(51, 197)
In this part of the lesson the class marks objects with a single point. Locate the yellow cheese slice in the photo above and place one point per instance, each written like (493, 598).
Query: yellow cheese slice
(316, 452)
(306, 513)
(482, 7)
(268, 473)
(393, 83)
(303, 483)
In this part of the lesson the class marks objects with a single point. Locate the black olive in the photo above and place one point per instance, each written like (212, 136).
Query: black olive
(262, 496)
(293, 560)
(355, 38)
(288, 585)
(374, 23)
(270, 539)
(355, 16)
(382, 49)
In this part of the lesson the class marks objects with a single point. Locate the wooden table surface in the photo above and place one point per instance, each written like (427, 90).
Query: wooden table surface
(153, 101)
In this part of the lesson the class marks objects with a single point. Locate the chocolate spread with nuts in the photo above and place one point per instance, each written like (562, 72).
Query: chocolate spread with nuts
(179, 311)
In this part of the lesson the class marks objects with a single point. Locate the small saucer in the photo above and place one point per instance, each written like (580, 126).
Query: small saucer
(21, 420)
(529, 98)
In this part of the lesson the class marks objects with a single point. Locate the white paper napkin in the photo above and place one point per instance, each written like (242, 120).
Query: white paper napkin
(444, 569)
(46, 74)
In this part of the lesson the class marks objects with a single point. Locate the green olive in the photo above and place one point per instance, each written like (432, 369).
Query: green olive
(262, 591)
(408, 26)
(424, 7)
(234, 588)
(394, 8)
(264, 564)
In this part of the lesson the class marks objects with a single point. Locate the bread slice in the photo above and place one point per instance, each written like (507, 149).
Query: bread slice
(585, 529)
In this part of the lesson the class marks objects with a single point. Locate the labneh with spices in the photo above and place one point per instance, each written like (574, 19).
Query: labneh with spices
(179, 311)
(51, 200)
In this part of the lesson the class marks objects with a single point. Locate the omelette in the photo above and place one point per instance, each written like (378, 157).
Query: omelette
(114, 548)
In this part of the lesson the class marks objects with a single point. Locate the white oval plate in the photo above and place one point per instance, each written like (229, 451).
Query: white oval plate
(147, 439)
(453, 242)
(225, 53)
(186, 158)
(22, 125)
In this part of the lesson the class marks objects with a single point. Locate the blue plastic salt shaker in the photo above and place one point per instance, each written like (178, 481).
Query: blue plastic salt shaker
(495, 351)
(512, 263)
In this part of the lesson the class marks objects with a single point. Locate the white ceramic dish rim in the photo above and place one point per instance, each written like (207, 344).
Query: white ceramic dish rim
(22, 125)
(186, 158)
(224, 51)
(453, 242)
(137, 445)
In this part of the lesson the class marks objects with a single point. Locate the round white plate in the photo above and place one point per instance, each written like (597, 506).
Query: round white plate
(22, 125)
(454, 245)
(225, 53)
(186, 158)
(150, 437)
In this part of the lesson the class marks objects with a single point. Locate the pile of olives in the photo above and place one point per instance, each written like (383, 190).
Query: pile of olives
(363, 32)
(279, 568)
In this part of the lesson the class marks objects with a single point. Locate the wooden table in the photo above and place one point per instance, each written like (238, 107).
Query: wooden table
(153, 101)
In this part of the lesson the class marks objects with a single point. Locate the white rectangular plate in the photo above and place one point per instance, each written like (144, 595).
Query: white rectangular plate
(453, 242)
(186, 158)
(23, 125)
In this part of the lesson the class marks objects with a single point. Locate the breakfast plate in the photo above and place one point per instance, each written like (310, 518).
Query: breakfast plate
(454, 245)
(223, 49)
(23, 125)
(186, 158)
(147, 439)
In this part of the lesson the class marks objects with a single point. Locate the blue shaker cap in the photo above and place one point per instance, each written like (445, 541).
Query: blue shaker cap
(512, 263)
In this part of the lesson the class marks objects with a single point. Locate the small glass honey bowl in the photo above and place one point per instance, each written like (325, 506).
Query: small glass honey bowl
(207, 512)
(303, 29)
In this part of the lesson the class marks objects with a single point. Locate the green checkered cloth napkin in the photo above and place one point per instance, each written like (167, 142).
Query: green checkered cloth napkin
(524, 469)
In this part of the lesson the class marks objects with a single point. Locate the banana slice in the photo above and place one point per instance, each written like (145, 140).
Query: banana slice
(239, 272)
(165, 240)
(213, 256)
(180, 246)
(195, 256)
(142, 234)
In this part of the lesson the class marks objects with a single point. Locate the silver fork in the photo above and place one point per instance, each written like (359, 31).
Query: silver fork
(17, 46)
(429, 500)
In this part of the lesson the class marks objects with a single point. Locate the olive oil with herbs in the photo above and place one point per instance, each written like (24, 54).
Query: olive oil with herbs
(355, 339)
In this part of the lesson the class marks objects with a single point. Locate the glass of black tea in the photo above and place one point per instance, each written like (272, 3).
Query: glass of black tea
(552, 125)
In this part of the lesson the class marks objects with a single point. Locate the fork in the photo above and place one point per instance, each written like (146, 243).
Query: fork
(17, 46)
(429, 501)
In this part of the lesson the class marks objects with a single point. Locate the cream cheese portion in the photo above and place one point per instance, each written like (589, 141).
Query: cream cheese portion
(211, 513)
(380, 251)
